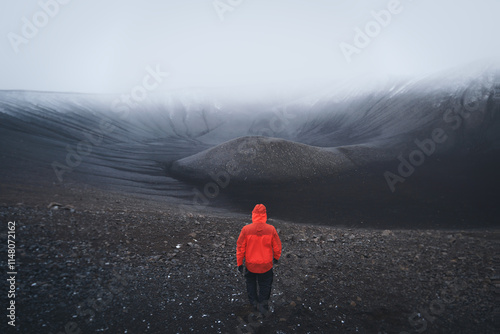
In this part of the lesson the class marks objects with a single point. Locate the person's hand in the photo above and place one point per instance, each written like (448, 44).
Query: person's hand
(275, 261)
(240, 269)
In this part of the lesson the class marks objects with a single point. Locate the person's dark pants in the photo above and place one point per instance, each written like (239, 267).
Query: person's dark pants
(264, 282)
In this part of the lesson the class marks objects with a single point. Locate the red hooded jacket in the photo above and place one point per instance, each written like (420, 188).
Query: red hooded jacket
(258, 243)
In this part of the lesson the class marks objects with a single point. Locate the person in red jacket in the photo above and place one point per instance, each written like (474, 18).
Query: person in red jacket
(260, 246)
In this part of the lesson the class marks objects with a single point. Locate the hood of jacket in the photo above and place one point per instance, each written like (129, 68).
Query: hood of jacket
(259, 214)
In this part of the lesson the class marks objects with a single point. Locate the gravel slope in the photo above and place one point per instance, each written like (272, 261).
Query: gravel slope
(114, 264)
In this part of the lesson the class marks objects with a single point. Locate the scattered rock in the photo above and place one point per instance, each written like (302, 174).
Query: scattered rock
(54, 205)
(387, 233)
(117, 260)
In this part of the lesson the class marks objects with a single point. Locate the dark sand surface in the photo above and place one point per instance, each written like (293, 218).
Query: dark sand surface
(113, 263)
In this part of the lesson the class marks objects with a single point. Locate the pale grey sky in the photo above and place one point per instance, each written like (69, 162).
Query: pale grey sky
(105, 46)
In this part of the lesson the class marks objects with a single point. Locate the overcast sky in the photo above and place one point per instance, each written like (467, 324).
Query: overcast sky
(105, 46)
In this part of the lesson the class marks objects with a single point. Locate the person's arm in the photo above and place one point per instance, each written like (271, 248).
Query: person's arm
(241, 246)
(276, 245)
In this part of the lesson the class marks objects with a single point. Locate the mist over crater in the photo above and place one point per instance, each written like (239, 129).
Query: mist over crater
(401, 153)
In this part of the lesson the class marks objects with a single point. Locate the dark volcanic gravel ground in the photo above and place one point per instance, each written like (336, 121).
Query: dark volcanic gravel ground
(116, 264)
